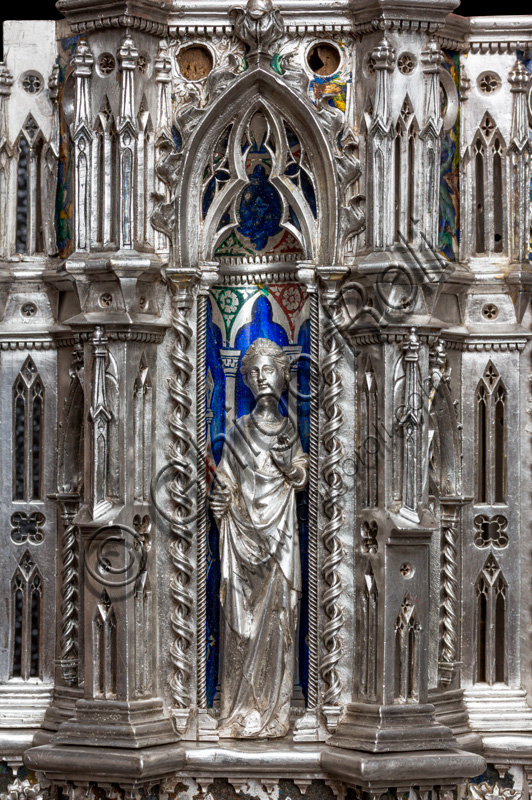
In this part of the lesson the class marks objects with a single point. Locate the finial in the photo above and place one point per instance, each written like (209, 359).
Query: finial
(519, 77)
(259, 25)
(431, 56)
(383, 55)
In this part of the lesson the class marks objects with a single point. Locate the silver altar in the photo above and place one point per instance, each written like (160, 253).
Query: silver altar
(360, 170)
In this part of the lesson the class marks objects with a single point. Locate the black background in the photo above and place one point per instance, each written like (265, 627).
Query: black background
(47, 10)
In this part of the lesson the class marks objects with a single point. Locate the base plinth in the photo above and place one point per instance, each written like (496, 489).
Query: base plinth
(240, 760)
(384, 729)
(138, 724)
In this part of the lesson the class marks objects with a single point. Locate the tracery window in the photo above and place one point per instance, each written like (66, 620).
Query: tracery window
(258, 195)
(29, 238)
(28, 428)
(144, 171)
(406, 133)
(370, 609)
(26, 605)
(489, 185)
(105, 179)
(104, 647)
(491, 596)
(368, 444)
(407, 653)
(490, 486)
(142, 409)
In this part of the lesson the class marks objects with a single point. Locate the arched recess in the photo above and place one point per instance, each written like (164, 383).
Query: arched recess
(444, 451)
(257, 89)
(257, 92)
(71, 442)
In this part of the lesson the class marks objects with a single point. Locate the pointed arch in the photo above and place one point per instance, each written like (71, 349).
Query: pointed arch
(5, 197)
(489, 187)
(104, 647)
(143, 616)
(491, 590)
(249, 92)
(260, 324)
(113, 458)
(28, 433)
(142, 428)
(404, 156)
(105, 177)
(407, 666)
(29, 146)
(444, 447)
(368, 443)
(144, 172)
(369, 624)
(26, 620)
(246, 311)
(399, 384)
(490, 437)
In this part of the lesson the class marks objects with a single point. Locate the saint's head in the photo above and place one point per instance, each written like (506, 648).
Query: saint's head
(265, 369)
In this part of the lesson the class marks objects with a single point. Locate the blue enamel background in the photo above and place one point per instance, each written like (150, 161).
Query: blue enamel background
(261, 325)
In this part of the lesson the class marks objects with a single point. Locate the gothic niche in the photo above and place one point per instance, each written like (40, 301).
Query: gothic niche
(259, 206)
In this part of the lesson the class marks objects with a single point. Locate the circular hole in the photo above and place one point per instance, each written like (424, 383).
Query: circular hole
(106, 300)
(490, 311)
(32, 82)
(28, 310)
(406, 570)
(195, 62)
(324, 59)
(106, 64)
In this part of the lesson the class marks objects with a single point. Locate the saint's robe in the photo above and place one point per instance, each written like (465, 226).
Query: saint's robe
(260, 580)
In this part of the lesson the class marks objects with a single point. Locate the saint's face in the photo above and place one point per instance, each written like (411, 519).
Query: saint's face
(265, 377)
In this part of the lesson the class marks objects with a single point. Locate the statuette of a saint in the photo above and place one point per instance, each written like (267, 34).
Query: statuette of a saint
(254, 501)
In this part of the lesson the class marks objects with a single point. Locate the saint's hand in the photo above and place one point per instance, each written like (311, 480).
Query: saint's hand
(220, 500)
(282, 458)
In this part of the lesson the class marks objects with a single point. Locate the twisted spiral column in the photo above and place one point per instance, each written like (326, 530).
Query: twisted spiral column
(180, 586)
(332, 478)
(201, 599)
(449, 589)
(313, 502)
(69, 595)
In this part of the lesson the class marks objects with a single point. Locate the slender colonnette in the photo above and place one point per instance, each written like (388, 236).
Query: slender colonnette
(181, 584)
(333, 489)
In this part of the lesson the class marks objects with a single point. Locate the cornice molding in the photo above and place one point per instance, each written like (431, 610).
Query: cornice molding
(417, 15)
(300, 16)
(453, 34)
(496, 34)
(85, 16)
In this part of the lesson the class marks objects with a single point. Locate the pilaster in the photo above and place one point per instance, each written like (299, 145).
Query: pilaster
(431, 57)
(127, 143)
(380, 150)
(519, 166)
(110, 543)
(82, 137)
(6, 154)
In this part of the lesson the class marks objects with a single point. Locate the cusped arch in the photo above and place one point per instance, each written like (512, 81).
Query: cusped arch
(257, 89)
